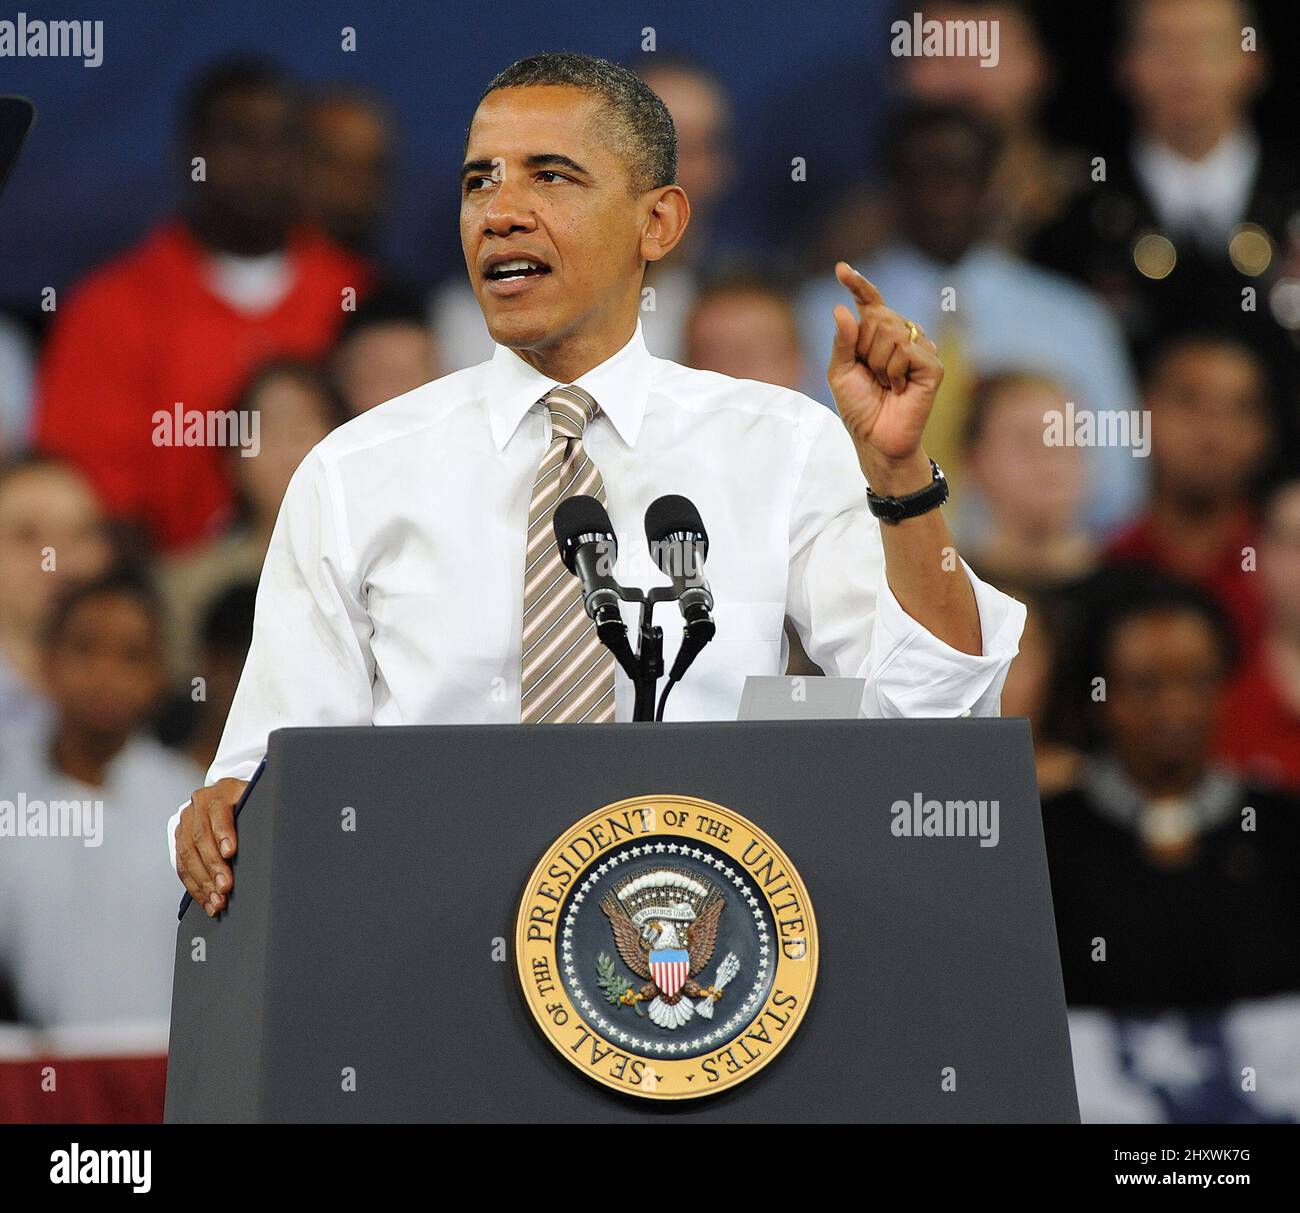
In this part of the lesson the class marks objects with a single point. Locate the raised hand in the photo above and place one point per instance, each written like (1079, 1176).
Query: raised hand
(884, 373)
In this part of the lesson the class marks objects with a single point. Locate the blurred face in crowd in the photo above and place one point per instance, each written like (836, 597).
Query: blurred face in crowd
(1025, 481)
(105, 669)
(47, 513)
(1186, 73)
(384, 360)
(1009, 93)
(221, 668)
(706, 163)
(1164, 674)
(748, 335)
(548, 179)
(348, 165)
(1025, 691)
(1209, 426)
(293, 419)
(941, 186)
(1279, 558)
(251, 145)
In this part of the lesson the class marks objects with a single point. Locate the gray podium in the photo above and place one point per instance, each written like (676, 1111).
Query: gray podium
(380, 948)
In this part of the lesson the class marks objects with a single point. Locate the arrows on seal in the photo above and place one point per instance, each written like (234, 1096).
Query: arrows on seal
(729, 967)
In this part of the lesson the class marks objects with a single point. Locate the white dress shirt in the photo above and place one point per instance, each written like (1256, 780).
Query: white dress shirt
(1206, 198)
(251, 285)
(393, 588)
(88, 924)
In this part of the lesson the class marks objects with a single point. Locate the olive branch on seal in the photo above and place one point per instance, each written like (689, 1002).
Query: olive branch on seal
(613, 985)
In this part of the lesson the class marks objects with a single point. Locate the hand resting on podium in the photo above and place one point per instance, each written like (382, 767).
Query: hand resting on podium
(205, 839)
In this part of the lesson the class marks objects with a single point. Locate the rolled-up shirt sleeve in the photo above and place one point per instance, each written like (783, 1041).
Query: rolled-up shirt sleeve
(310, 661)
(848, 618)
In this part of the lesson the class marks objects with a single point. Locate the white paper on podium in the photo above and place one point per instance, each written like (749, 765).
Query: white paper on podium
(786, 697)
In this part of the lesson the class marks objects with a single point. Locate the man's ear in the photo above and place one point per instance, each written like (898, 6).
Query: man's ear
(665, 222)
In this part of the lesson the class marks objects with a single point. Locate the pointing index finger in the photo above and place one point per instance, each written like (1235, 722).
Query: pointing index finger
(863, 289)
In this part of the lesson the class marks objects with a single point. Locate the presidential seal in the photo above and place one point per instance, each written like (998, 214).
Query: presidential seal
(666, 947)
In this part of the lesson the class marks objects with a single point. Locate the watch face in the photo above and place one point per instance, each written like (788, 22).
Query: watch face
(893, 510)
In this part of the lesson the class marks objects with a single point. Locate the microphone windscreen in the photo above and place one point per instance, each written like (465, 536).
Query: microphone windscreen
(580, 515)
(670, 515)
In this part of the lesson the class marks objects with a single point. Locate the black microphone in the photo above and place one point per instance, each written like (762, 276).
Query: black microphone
(585, 537)
(679, 544)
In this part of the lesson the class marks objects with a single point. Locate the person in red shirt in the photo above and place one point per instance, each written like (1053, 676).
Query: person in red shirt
(1208, 398)
(170, 329)
(1260, 732)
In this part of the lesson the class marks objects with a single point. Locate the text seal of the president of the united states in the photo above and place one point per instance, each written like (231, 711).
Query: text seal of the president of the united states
(666, 946)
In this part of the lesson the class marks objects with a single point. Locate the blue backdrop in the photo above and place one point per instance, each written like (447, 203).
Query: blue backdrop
(808, 78)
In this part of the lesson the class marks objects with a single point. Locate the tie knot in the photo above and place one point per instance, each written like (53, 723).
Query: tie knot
(571, 408)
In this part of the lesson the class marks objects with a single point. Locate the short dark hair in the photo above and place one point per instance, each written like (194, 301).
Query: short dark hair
(745, 276)
(739, 277)
(34, 461)
(641, 120)
(1170, 342)
(227, 626)
(237, 74)
(1139, 592)
(988, 392)
(125, 580)
(1092, 613)
(307, 374)
(389, 303)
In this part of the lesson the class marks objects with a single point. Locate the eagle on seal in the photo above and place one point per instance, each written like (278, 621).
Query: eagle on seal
(641, 946)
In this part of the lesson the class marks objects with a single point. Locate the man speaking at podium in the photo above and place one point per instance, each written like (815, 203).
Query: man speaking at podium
(413, 576)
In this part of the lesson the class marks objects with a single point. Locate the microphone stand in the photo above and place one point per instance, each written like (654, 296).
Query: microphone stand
(646, 666)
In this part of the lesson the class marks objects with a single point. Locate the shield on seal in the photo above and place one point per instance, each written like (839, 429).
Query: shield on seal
(669, 967)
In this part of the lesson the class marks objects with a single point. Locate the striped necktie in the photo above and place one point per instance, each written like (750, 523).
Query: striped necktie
(567, 674)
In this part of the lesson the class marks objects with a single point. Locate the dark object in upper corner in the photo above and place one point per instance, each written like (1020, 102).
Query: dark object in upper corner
(16, 117)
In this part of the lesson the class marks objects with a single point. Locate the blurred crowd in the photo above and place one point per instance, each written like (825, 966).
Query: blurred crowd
(1120, 421)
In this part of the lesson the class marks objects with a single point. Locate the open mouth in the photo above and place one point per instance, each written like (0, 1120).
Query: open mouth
(516, 269)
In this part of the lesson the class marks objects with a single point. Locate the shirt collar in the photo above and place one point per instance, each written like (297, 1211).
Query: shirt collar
(1218, 185)
(619, 385)
(981, 255)
(1231, 157)
(1114, 795)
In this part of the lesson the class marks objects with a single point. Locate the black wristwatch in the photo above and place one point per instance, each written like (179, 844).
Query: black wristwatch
(892, 510)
